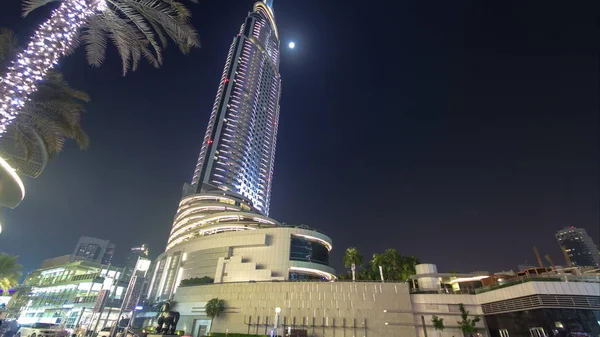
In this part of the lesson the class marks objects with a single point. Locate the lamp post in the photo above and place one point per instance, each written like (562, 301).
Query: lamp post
(277, 312)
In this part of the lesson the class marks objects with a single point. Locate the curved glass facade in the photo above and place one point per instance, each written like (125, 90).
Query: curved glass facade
(302, 249)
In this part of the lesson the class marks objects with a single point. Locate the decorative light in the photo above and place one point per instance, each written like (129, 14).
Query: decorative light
(328, 276)
(6, 166)
(54, 38)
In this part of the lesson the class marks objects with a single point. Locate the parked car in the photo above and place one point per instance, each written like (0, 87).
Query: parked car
(41, 330)
(105, 332)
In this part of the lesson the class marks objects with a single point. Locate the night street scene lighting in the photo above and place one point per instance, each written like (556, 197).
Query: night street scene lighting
(436, 173)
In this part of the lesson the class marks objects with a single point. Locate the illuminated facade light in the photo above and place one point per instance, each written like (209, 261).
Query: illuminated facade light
(238, 152)
(13, 189)
(326, 275)
(312, 238)
(469, 279)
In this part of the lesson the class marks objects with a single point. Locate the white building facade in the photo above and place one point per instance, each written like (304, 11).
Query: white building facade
(219, 235)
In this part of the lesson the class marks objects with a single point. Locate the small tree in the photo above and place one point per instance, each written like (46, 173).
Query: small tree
(214, 308)
(352, 259)
(468, 325)
(438, 324)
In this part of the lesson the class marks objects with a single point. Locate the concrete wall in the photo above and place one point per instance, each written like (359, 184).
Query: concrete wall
(336, 309)
(445, 306)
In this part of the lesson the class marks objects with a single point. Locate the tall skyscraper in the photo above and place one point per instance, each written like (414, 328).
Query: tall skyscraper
(579, 246)
(221, 230)
(238, 150)
(93, 249)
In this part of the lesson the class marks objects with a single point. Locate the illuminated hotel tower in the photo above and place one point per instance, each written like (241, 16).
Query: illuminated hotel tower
(221, 230)
(238, 150)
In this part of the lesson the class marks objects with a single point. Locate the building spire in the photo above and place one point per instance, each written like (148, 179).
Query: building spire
(269, 3)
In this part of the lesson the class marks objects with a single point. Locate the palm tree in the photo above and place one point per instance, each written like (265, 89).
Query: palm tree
(214, 308)
(51, 116)
(138, 28)
(395, 266)
(10, 272)
(352, 258)
(408, 267)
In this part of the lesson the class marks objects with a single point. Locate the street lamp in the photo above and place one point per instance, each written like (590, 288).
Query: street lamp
(277, 312)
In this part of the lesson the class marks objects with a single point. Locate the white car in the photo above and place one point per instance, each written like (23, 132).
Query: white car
(41, 330)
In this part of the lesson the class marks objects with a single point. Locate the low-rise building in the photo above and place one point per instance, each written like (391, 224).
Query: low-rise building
(68, 294)
(533, 303)
(538, 303)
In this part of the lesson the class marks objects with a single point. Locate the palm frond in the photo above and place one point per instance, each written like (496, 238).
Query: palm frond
(81, 138)
(8, 46)
(165, 18)
(49, 131)
(58, 86)
(31, 5)
(138, 21)
(122, 35)
(10, 271)
(94, 38)
(183, 13)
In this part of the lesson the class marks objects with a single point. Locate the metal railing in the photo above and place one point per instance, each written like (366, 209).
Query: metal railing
(540, 278)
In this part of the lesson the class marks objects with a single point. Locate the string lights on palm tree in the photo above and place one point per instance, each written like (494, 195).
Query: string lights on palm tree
(138, 28)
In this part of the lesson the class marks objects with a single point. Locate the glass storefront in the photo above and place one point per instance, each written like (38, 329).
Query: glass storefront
(545, 323)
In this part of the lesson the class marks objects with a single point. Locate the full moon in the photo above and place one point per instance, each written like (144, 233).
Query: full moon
(292, 45)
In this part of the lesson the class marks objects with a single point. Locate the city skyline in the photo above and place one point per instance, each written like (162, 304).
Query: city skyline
(482, 146)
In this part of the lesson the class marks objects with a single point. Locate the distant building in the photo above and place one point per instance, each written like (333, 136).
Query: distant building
(56, 261)
(94, 250)
(579, 246)
(134, 254)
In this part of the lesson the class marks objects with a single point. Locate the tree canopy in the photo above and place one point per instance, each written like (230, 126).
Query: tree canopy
(10, 271)
(214, 308)
(396, 267)
(194, 281)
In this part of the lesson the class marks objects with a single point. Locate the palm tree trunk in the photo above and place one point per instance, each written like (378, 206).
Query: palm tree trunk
(53, 39)
(353, 272)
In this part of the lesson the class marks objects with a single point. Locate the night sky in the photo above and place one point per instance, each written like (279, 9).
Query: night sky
(462, 132)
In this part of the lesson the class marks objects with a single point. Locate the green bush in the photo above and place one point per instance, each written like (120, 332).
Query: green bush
(194, 281)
